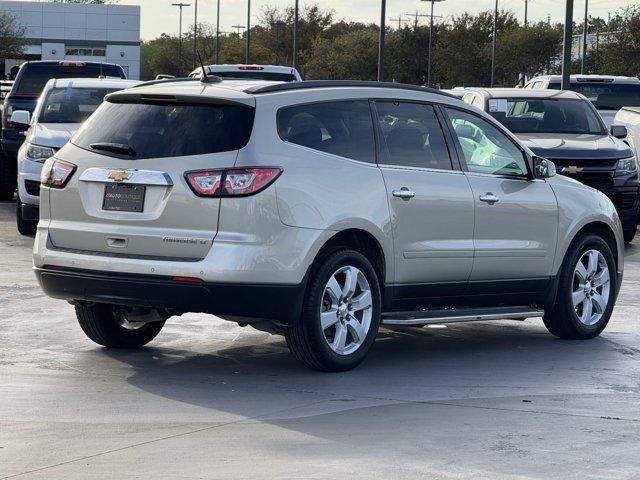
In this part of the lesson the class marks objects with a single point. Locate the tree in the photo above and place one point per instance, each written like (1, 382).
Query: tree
(620, 55)
(11, 36)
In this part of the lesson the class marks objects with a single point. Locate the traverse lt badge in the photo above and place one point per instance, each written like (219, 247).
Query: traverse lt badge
(119, 176)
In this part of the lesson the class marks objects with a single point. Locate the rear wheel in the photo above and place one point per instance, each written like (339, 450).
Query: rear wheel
(586, 291)
(341, 314)
(107, 326)
(25, 227)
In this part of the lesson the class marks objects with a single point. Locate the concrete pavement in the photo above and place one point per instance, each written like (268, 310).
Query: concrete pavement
(209, 399)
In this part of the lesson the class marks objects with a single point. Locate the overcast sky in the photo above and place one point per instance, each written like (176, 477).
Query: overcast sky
(159, 16)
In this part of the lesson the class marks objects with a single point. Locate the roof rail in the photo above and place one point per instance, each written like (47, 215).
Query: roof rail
(212, 79)
(283, 87)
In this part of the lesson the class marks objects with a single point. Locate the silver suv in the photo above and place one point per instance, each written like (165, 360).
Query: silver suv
(318, 210)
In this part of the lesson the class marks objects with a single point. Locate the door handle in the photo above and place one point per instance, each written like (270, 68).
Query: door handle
(404, 193)
(490, 198)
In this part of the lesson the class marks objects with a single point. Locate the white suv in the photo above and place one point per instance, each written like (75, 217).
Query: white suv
(318, 210)
(62, 107)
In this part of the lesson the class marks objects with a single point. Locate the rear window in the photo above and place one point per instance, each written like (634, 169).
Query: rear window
(343, 128)
(71, 105)
(167, 130)
(35, 77)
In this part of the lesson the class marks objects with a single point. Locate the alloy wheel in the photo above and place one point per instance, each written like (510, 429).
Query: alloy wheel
(346, 310)
(591, 287)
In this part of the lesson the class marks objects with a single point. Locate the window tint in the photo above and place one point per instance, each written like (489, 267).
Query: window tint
(71, 105)
(341, 128)
(485, 148)
(158, 130)
(412, 135)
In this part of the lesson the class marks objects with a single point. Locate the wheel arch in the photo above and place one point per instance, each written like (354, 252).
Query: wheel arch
(361, 241)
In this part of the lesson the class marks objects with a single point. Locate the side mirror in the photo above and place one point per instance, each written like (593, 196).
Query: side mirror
(20, 117)
(543, 168)
(618, 131)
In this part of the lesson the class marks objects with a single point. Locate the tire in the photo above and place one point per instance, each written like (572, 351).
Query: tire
(8, 173)
(630, 234)
(342, 344)
(564, 319)
(25, 227)
(100, 323)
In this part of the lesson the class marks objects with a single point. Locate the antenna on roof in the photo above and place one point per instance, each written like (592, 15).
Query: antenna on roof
(203, 76)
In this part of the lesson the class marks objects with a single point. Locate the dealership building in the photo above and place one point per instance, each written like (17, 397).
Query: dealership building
(71, 31)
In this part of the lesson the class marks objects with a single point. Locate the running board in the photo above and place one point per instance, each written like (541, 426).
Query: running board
(429, 317)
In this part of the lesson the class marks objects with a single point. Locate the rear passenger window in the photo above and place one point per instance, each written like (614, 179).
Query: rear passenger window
(340, 128)
(412, 136)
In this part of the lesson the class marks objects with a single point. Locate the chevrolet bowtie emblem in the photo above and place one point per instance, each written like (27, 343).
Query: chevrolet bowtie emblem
(572, 169)
(119, 176)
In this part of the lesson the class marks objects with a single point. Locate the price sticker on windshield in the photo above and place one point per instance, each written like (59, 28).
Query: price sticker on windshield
(498, 105)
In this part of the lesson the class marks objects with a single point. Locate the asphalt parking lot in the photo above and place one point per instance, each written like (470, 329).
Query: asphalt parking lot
(209, 399)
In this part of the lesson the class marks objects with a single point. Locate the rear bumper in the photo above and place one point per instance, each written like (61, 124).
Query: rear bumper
(256, 301)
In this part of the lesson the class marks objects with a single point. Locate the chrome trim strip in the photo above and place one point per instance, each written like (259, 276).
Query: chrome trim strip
(463, 318)
(136, 177)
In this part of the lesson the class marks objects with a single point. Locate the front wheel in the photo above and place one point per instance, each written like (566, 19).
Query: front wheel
(341, 314)
(107, 326)
(586, 291)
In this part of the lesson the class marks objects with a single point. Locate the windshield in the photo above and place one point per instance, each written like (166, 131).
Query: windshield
(35, 77)
(142, 130)
(606, 96)
(545, 115)
(256, 75)
(71, 105)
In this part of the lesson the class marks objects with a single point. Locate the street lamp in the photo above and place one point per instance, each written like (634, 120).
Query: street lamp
(493, 47)
(180, 6)
(584, 37)
(218, 34)
(430, 40)
(566, 48)
(295, 35)
(195, 34)
(383, 7)
(248, 31)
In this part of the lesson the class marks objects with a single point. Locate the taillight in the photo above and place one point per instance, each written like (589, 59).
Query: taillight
(236, 182)
(56, 173)
(247, 181)
(205, 183)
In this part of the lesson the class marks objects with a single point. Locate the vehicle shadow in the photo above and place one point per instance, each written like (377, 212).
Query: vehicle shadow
(492, 359)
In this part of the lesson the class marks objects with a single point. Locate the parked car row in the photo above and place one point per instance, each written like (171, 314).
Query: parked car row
(27, 87)
(323, 210)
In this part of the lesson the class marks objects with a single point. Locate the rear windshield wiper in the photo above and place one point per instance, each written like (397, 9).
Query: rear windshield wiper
(114, 147)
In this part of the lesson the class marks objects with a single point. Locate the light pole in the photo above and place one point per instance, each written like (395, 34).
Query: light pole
(248, 31)
(180, 6)
(566, 48)
(195, 33)
(218, 34)
(430, 40)
(295, 35)
(584, 37)
(383, 7)
(493, 47)
(526, 11)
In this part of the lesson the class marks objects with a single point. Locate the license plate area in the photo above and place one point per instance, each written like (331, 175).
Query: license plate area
(120, 197)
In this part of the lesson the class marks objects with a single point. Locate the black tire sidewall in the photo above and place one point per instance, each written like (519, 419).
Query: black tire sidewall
(587, 242)
(311, 310)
